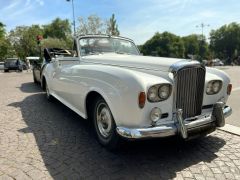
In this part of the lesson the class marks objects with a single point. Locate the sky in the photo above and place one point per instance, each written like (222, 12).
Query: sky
(137, 19)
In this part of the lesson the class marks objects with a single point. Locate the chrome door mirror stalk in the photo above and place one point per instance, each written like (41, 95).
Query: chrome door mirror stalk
(182, 127)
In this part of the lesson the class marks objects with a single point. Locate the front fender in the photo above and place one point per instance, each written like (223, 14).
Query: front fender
(120, 88)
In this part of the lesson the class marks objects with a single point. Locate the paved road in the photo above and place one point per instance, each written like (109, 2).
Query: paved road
(42, 140)
(234, 99)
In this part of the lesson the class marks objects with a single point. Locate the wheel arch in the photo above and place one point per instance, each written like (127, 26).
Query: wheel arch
(89, 102)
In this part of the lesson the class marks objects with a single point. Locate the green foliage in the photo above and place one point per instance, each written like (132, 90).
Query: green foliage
(2, 30)
(164, 44)
(5, 47)
(58, 28)
(55, 42)
(225, 41)
(23, 39)
(112, 27)
(170, 45)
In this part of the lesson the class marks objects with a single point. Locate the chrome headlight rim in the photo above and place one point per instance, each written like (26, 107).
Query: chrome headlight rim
(157, 97)
(151, 91)
(169, 91)
(210, 90)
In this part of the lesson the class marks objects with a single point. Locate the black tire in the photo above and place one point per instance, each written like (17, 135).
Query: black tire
(48, 95)
(20, 69)
(110, 140)
(6, 70)
(34, 79)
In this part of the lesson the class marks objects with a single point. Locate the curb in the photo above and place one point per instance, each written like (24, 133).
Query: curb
(231, 129)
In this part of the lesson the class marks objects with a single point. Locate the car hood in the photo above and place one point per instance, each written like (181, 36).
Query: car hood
(132, 61)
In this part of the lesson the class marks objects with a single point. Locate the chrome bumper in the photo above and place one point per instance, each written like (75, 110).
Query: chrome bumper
(182, 127)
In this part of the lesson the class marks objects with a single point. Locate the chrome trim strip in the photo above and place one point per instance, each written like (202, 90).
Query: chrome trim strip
(182, 127)
(183, 64)
(170, 129)
(227, 111)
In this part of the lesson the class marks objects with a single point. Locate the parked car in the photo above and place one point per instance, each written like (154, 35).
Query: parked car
(127, 95)
(1, 65)
(13, 64)
(217, 62)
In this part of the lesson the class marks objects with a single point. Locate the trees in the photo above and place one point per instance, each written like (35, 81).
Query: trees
(170, 45)
(225, 41)
(164, 44)
(112, 27)
(58, 28)
(56, 34)
(95, 25)
(195, 46)
(92, 25)
(23, 39)
(5, 46)
(2, 30)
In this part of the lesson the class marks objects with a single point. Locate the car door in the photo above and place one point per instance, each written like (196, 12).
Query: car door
(62, 80)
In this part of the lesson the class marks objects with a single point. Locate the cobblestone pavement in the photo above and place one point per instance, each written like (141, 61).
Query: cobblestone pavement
(43, 140)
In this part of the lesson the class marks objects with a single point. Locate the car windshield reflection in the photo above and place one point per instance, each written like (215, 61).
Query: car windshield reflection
(101, 45)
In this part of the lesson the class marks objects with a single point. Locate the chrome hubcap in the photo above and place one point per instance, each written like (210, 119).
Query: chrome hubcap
(104, 120)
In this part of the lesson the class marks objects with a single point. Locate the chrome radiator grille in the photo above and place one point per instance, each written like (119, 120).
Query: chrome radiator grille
(189, 93)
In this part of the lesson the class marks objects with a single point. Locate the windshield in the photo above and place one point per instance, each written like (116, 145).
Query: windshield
(98, 45)
(11, 60)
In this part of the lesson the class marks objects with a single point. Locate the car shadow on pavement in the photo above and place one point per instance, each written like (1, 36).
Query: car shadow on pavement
(70, 151)
(30, 87)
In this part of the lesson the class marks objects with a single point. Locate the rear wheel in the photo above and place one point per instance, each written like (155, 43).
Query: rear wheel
(34, 78)
(20, 68)
(104, 125)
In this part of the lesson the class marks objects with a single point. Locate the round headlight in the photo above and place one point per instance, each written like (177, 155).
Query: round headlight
(155, 114)
(216, 86)
(153, 94)
(213, 87)
(209, 88)
(164, 91)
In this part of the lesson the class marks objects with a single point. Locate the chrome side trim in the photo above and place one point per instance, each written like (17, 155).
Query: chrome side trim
(170, 129)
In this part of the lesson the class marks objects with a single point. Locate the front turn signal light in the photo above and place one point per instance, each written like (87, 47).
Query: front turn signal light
(229, 89)
(141, 99)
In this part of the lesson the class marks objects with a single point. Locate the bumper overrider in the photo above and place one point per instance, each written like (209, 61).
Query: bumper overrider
(185, 128)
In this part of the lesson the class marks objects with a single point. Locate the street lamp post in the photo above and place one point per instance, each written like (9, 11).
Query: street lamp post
(202, 26)
(73, 13)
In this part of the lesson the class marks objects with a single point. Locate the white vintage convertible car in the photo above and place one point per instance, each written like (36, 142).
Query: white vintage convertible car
(132, 96)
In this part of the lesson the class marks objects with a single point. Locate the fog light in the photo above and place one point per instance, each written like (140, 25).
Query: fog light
(155, 114)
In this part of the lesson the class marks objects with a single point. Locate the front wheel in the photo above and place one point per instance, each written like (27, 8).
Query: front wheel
(104, 125)
(34, 78)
